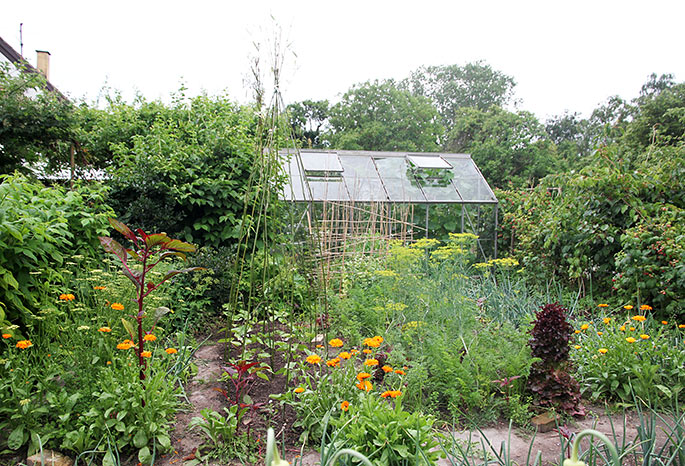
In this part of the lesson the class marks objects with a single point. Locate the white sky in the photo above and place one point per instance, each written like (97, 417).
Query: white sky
(564, 55)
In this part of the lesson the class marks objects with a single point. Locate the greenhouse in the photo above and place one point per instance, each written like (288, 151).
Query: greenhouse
(354, 196)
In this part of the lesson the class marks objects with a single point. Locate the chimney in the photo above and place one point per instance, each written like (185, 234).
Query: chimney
(43, 63)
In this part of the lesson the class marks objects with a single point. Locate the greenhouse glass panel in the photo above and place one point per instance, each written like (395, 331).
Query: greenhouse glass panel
(321, 162)
(423, 161)
(469, 181)
(396, 177)
(328, 188)
(362, 179)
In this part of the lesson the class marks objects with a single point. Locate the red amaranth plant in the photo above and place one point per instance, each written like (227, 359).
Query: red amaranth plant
(147, 251)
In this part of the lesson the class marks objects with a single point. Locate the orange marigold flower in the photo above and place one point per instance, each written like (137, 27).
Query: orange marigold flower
(374, 342)
(606, 320)
(67, 297)
(104, 329)
(124, 345)
(149, 337)
(336, 342)
(631, 340)
(344, 355)
(603, 305)
(345, 405)
(23, 344)
(645, 307)
(363, 375)
(371, 362)
(391, 394)
(6, 336)
(313, 359)
(628, 307)
(664, 322)
(577, 346)
(146, 354)
(367, 351)
(333, 362)
(603, 350)
(117, 306)
(100, 288)
(632, 329)
(364, 385)
(644, 336)
(639, 318)
(400, 372)
(299, 390)
(584, 327)
(386, 369)
(171, 350)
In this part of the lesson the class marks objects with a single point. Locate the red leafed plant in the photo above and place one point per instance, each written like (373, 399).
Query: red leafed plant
(147, 251)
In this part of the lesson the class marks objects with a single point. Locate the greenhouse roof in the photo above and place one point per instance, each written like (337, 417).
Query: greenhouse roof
(365, 176)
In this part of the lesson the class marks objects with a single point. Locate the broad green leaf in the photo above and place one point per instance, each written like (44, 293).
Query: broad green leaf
(164, 441)
(113, 247)
(108, 460)
(16, 438)
(157, 239)
(179, 245)
(173, 254)
(144, 455)
(140, 439)
(129, 327)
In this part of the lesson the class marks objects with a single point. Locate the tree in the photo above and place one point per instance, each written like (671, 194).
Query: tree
(381, 116)
(509, 148)
(572, 136)
(451, 88)
(35, 124)
(659, 117)
(308, 119)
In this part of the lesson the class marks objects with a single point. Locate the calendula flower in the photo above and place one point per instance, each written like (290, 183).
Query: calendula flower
(639, 318)
(336, 342)
(603, 350)
(603, 305)
(644, 336)
(313, 359)
(6, 335)
(171, 351)
(354, 351)
(149, 337)
(299, 390)
(104, 329)
(606, 320)
(628, 307)
(23, 344)
(584, 327)
(67, 297)
(124, 345)
(391, 394)
(333, 362)
(100, 288)
(117, 306)
(622, 328)
(400, 372)
(345, 405)
(577, 346)
(631, 340)
(600, 333)
(371, 362)
(367, 351)
(632, 329)
(387, 369)
(109, 363)
(344, 355)
(645, 307)
(363, 375)
(319, 346)
(364, 385)
(374, 342)
(679, 326)
(576, 331)
(664, 322)
(146, 354)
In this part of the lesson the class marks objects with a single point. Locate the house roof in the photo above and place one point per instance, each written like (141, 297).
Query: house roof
(401, 177)
(19, 61)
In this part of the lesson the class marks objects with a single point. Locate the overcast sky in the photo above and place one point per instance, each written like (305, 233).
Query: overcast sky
(564, 55)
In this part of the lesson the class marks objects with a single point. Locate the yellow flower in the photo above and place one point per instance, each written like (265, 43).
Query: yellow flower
(628, 307)
(386, 369)
(606, 320)
(603, 350)
(576, 331)
(584, 327)
(109, 363)
(25, 401)
(23, 344)
(171, 350)
(600, 333)
(6, 336)
(345, 405)
(371, 362)
(639, 318)
(577, 346)
(602, 305)
(124, 345)
(644, 336)
(364, 385)
(149, 337)
(336, 342)
(344, 355)
(117, 306)
(679, 326)
(146, 354)
(333, 362)
(631, 340)
(104, 329)
(645, 307)
(622, 328)
(313, 359)
(299, 390)
(632, 329)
